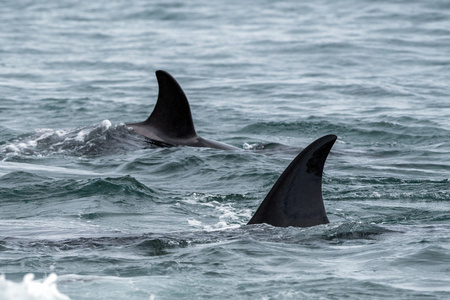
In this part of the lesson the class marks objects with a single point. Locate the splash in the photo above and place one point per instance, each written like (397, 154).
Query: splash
(229, 217)
(102, 138)
(30, 289)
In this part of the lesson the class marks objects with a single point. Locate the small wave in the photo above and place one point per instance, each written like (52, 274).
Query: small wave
(102, 138)
(426, 256)
(334, 233)
(277, 127)
(353, 230)
(30, 289)
(125, 185)
(374, 188)
(269, 148)
(406, 129)
(29, 187)
(161, 246)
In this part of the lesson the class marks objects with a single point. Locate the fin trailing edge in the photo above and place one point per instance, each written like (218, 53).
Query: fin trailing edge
(296, 198)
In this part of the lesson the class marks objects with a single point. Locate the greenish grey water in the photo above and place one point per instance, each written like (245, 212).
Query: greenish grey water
(82, 196)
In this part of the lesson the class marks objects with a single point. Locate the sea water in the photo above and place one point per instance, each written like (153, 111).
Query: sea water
(89, 211)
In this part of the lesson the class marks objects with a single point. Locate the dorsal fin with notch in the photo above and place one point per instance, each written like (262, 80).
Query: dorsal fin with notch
(296, 198)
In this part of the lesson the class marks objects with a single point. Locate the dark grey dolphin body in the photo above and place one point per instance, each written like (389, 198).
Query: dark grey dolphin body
(296, 198)
(170, 123)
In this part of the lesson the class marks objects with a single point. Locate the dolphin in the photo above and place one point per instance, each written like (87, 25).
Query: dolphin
(170, 124)
(296, 198)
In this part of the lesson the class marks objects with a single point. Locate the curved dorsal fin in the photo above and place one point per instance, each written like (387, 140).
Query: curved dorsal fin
(296, 198)
(172, 114)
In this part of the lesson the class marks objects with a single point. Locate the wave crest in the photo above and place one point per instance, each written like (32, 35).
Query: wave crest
(102, 138)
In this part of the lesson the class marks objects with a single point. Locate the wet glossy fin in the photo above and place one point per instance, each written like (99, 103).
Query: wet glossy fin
(172, 114)
(170, 123)
(296, 198)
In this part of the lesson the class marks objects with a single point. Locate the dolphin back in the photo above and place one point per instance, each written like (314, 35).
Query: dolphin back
(296, 198)
(170, 123)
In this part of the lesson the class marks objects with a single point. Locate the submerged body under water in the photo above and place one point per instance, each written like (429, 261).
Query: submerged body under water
(84, 197)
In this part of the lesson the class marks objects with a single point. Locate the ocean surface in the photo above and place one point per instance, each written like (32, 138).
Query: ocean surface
(89, 211)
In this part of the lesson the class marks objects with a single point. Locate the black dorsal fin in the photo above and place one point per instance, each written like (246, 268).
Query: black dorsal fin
(296, 198)
(172, 114)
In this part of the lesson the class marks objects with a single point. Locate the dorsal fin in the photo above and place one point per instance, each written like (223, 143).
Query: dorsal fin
(172, 114)
(296, 198)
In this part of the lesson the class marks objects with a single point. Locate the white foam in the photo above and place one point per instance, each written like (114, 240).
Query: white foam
(81, 136)
(194, 223)
(30, 289)
(106, 124)
(248, 146)
(229, 218)
(7, 167)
